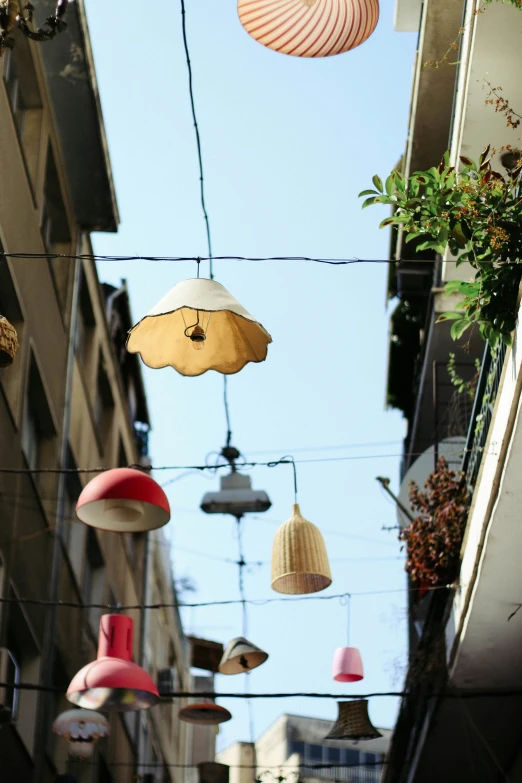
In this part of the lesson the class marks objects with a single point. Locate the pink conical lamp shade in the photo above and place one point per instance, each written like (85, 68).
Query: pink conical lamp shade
(113, 682)
(347, 665)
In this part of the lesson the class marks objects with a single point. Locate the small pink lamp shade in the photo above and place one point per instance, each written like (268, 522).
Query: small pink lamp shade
(113, 682)
(123, 500)
(347, 665)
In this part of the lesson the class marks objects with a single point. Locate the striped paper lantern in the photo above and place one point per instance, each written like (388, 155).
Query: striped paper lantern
(309, 28)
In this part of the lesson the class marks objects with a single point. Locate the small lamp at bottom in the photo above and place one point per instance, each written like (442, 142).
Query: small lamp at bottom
(347, 665)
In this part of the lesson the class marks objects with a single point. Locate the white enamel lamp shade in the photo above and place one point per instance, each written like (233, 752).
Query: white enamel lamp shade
(309, 28)
(81, 729)
(231, 336)
(123, 500)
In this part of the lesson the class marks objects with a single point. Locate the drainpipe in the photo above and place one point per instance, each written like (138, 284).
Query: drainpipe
(48, 646)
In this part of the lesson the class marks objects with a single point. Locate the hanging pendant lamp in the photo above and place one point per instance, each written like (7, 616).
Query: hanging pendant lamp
(8, 343)
(309, 28)
(212, 772)
(81, 729)
(204, 714)
(299, 560)
(123, 500)
(241, 656)
(353, 722)
(347, 665)
(347, 662)
(199, 326)
(113, 682)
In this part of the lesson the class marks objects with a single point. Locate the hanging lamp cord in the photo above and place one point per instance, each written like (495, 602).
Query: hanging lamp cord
(288, 460)
(344, 600)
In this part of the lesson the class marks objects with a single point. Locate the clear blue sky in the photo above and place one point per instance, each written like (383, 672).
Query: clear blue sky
(287, 145)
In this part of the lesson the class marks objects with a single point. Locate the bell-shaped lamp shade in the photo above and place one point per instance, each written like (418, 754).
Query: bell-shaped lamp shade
(113, 682)
(353, 722)
(235, 497)
(8, 343)
(212, 772)
(123, 500)
(199, 326)
(81, 729)
(204, 714)
(309, 28)
(241, 656)
(347, 665)
(299, 560)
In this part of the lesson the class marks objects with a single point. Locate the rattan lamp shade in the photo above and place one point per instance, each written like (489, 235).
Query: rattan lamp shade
(228, 337)
(299, 560)
(8, 342)
(353, 722)
(309, 28)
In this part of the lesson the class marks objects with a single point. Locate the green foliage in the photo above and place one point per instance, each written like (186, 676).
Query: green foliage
(476, 212)
(516, 3)
(463, 386)
(434, 537)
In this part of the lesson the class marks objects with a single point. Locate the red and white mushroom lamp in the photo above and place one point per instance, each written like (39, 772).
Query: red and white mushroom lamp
(123, 500)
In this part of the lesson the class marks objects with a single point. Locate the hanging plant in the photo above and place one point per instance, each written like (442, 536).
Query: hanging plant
(476, 212)
(433, 539)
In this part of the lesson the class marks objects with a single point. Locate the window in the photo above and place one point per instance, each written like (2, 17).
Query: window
(296, 747)
(21, 643)
(38, 427)
(85, 328)
(103, 408)
(10, 308)
(14, 92)
(350, 756)
(93, 580)
(73, 531)
(333, 755)
(314, 752)
(55, 228)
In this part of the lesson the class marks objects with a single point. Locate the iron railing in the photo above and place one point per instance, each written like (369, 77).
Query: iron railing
(482, 414)
(369, 774)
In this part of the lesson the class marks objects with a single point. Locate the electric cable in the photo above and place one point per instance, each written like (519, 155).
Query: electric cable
(194, 605)
(198, 140)
(270, 464)
(427, 694)
(198, 259)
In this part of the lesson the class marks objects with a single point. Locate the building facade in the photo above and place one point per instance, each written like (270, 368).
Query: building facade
(459, 719)
(73, 398)
(293, 749)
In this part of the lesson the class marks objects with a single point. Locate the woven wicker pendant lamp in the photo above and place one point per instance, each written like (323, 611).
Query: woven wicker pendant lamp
(353, 722)
(309, 28)
(299, 560)
(8, 343)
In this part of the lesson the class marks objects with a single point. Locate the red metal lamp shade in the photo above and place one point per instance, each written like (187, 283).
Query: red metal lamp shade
(123, 500)
(113, 682)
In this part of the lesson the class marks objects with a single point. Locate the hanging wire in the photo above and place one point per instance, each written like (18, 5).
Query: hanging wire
(210, 258)
(344, 600)
(231, 602)
(198, 140)
(227, 410)
(288, 460)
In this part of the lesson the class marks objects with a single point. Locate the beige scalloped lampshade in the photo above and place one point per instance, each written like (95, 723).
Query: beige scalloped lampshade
(8, 342)
(309, 28)
(299, 560)
(199, 326)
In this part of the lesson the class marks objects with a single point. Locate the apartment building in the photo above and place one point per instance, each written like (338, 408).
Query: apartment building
(73, 398)
(293, 749)
(460, 717)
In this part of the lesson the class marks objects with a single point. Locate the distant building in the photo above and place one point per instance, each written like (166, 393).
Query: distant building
(294, 748)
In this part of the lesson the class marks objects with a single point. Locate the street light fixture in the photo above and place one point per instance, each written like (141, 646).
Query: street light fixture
(15, 14)
(236, 496)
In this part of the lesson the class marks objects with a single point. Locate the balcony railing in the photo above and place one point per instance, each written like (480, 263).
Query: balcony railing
(482, 414)
(353, 774)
